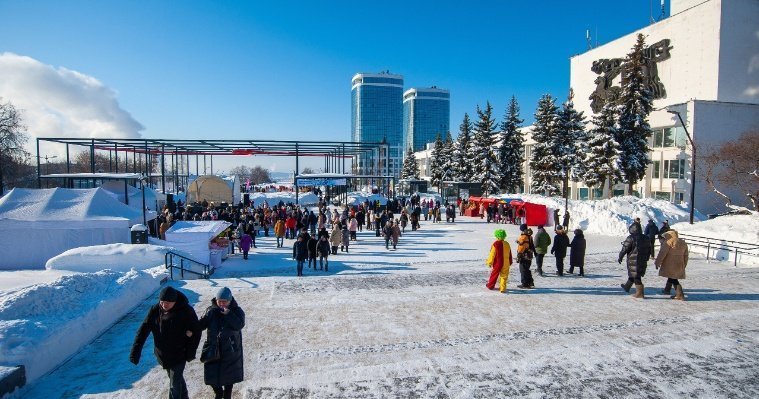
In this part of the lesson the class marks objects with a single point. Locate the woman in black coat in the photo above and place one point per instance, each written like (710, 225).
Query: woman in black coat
(637, 249)
(577, 256)
(559, 249)
(222, 351)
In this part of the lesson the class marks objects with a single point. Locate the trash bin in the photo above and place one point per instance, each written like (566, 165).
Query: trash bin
(139, 234)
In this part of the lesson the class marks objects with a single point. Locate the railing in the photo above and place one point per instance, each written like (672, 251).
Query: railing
(184, 264)
(722, 247)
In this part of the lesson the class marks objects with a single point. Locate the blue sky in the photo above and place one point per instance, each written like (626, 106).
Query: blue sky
(280, 69)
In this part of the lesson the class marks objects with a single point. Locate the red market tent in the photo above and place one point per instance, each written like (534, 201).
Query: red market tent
(473, 207)
(535, 214)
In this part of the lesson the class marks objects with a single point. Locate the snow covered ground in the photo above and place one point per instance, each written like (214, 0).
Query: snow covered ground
(418, 322)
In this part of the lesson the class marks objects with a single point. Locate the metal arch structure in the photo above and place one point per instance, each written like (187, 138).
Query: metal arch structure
(146, 152)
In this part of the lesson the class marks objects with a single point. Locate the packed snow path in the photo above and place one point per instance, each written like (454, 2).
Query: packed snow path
(419, 322)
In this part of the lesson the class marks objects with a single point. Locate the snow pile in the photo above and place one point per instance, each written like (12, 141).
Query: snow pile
(357, 197)
(116, 257)
(257, 199)
(717, 234)
(611, 216)
(42, 325)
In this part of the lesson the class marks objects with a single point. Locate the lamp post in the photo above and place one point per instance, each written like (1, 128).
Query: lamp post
(692, 165)
(142, 188)
(47, 162)
(565, 172)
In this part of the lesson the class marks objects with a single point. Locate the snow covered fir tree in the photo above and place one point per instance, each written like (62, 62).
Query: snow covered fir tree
(546, 172)
(410, 170)
(602, 157)
(485, 164)
(511, 150)
(570, 142)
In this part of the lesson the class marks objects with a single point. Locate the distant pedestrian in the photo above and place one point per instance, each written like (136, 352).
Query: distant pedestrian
(566, 221)
(279, 232)
(222, 352)
(499, 260)
(556, 218)
(323, 249)
(664, 228)
(671, 262)
(346, 239)
(651, 232)
(336, 238)
(396, 234)
(300, 253)
(245, 242)
(577, 256)
(176, 336)
(312, 243)
(542, 241)
(525, 250)
(559, 249)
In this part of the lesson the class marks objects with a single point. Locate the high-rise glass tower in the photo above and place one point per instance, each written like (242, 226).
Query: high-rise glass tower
(377, 116)
(426, 113)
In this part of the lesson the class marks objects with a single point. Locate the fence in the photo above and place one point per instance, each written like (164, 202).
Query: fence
(184, 265)
(721, 249)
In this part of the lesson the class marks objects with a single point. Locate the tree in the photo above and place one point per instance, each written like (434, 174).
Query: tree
(448, 160)
(546, 172)
(635, 106)
(14, 160)
(485, 163)
(437, 162)
(259, 175)
(462, 168)
(734, 167)
(242, 172)
(602, 160)
(307, 171)
(410, 167)
(570, 142)
(511, 150)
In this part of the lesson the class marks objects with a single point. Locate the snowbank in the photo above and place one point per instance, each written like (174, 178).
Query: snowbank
(719, 231)
(42, 325)
(116, 257)
(273, 199)
(611, 216)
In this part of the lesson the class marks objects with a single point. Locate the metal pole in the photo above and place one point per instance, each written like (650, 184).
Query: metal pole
(692, 166)
(163, 169)
(295, 176)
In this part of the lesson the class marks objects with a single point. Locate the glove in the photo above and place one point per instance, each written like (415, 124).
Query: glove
(134, 358)
(620, 261)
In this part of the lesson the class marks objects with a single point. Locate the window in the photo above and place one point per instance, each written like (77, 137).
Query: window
(669, 137)
(657, 169)
(679, 198)
(583, 193)
(674, 168)
(662, 195)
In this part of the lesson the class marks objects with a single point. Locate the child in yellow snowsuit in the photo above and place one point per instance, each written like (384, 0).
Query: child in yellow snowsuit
(500, 261)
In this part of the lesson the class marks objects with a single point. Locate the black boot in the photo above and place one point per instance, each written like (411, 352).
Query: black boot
(626, 286)
(667, 288)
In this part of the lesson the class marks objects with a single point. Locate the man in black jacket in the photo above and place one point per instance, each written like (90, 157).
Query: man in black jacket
(651, 232)
(176, 335)
(559, 248)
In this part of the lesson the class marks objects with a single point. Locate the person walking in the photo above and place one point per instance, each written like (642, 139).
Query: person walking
(556, 218)
(396, 234)
(279, 232)
(671, 262)
(312, 244)
(499, 260)
(559, 249)
(387, 233)
(336, 238)
(300, 253)
(651, 232)
(346, 238)
(636, 247)
(565, 222)
(324, 250)
(222, 355)
(245, 242)
(525, 251)
(353, 228)
(577, 255)
(176, 336)
(542, 241)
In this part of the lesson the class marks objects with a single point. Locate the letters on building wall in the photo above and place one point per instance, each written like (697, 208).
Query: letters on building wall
(608, 69)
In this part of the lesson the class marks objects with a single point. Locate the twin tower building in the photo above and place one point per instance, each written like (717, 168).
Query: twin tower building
(381, 111)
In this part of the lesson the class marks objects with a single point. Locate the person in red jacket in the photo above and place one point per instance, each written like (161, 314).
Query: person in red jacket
(500, 261)
(290, 225)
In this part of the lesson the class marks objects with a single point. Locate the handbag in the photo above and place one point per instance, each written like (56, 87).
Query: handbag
(211, 351)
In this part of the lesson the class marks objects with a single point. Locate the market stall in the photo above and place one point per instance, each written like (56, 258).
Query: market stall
(201, 240)
(535, 214)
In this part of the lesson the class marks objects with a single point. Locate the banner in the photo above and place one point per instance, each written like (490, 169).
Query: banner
(321, 182)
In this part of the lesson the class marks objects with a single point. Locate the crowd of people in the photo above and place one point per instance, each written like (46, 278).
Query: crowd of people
(638, 248)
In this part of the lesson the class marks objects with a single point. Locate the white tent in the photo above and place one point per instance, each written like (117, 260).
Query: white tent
(38, 224)
(115, 189)
(193, 237)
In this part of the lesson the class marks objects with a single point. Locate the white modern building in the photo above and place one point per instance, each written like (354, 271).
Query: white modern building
(703, 62)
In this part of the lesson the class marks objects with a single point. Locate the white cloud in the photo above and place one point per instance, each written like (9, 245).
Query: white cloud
(59, 102)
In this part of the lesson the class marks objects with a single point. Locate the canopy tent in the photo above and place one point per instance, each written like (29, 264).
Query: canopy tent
(193, 237)
(134, 196)
(473, 209)
(535, 214)
(38, 224)
(214, 188)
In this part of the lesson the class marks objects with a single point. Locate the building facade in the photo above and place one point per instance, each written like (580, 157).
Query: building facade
(377, 116)
(426, 114)
(702, 62)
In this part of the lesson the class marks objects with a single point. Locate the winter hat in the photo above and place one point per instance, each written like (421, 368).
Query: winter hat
(559, 228)
(224, 293)
(523, 227)
(168, 294)
(500, 234)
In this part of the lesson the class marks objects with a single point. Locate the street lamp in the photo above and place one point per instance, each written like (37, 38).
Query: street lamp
(47, 161)
(692, 164)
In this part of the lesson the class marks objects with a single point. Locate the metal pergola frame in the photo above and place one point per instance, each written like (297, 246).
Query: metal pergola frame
(145, 150)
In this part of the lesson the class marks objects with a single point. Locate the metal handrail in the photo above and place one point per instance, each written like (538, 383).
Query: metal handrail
(169, 262)
(738, 247)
